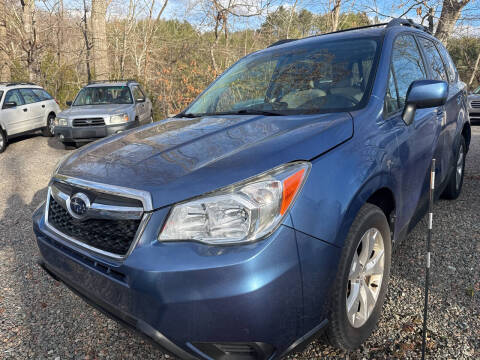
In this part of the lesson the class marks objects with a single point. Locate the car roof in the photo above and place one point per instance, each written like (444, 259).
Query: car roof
(111, 83)
(12, 85)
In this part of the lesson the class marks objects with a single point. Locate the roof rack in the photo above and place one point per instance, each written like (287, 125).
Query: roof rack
(393, 22)
(10, 83)
(128, 81)
(407, 22)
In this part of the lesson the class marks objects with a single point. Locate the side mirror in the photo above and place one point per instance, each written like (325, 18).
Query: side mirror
(424, 94)
(68, 103)
(9, 105)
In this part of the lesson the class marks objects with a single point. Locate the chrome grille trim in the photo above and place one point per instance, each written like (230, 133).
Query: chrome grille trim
(101, 211)
(475, 104)
(140, 195)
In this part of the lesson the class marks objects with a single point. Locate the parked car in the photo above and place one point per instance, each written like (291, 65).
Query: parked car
(474, 105)
(267, 211)
(101, 109)
(24, 108)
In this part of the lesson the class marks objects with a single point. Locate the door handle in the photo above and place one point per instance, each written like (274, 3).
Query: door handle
(25, 110)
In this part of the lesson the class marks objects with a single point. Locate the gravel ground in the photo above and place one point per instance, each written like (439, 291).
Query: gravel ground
(41, 319)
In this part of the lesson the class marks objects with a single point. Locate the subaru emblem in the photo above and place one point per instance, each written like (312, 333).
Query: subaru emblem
(78, 205)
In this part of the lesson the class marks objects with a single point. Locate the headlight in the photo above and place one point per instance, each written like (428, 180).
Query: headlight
(118, 119)
(240, 213)
(61, 122)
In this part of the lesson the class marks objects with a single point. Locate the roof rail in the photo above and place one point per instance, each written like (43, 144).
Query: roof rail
(128, 81)
(407, 22)
(283, 41)
(10, 83)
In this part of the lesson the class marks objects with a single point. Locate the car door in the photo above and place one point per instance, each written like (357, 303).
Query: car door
(140, 104)
(416, 143)
(16, 119)
(36, 108)
(447, 114)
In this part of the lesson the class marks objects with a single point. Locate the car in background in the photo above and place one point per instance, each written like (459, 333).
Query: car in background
(266, 211)
(24, 108)
(474, 106)
(103, 108)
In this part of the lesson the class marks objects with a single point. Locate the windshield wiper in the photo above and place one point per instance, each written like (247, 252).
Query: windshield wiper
(252, 112)
(188, 115)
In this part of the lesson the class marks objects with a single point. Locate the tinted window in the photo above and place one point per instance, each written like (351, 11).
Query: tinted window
(1, 95)
(407, 66)
(325, 77)
(100, 95)
(138, 93)
(451, 70)
(29, 96)
(13, 96)
(434, 59)
(42, 94)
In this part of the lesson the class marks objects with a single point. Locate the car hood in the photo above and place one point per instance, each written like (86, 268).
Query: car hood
(95, 110)
(180, 158)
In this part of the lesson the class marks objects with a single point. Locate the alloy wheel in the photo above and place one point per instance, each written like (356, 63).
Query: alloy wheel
(365, 277)
(459, 169)
(51, 125)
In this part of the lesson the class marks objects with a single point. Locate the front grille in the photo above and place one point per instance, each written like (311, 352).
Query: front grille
(88, 122)
(113, 236)
(475, 104)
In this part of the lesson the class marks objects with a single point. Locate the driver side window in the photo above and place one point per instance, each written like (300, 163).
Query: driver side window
(406, 67)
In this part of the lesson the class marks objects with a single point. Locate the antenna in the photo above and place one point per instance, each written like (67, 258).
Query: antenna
(427, 265)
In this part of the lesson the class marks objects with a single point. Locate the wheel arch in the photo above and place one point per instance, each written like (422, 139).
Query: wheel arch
(377, 191)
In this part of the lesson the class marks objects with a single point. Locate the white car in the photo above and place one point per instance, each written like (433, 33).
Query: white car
(25, 107)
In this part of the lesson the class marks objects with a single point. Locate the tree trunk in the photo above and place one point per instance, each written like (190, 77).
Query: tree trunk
(451, 10)
(30, 37)
(88, 45)
(4, 67)
(99, 39)
(335, 14)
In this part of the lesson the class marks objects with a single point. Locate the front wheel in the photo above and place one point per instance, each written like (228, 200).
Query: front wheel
(454, 187)
(360, 286)
(48, 131)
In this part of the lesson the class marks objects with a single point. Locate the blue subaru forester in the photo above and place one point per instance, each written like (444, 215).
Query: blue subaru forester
(267, 211)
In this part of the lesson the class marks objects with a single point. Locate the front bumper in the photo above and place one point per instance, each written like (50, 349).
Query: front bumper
(184, 294)
(89, 133)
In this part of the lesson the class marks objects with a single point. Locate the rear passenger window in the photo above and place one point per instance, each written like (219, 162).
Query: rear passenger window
(42, 94)
(13, 96)
(406, 67)
(434, 59)
(29, 96)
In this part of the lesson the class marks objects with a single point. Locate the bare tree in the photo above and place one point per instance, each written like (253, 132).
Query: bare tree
(99, 38)
(86, 38)
(30, 38)
(4, 66)
(335, 14)
(474, 70)
(451, 11)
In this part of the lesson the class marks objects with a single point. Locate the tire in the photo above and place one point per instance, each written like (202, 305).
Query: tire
(455, 184)
(3, 141)
(48, 130)
(349, 332)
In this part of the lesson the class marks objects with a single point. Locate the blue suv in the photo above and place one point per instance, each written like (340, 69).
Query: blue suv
(267, 211)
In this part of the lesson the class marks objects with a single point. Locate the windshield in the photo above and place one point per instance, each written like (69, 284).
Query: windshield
(477, 90)
(103, 95)
(326, 77)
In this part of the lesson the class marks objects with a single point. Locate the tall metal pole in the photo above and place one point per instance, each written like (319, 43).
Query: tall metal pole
(427, 269)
